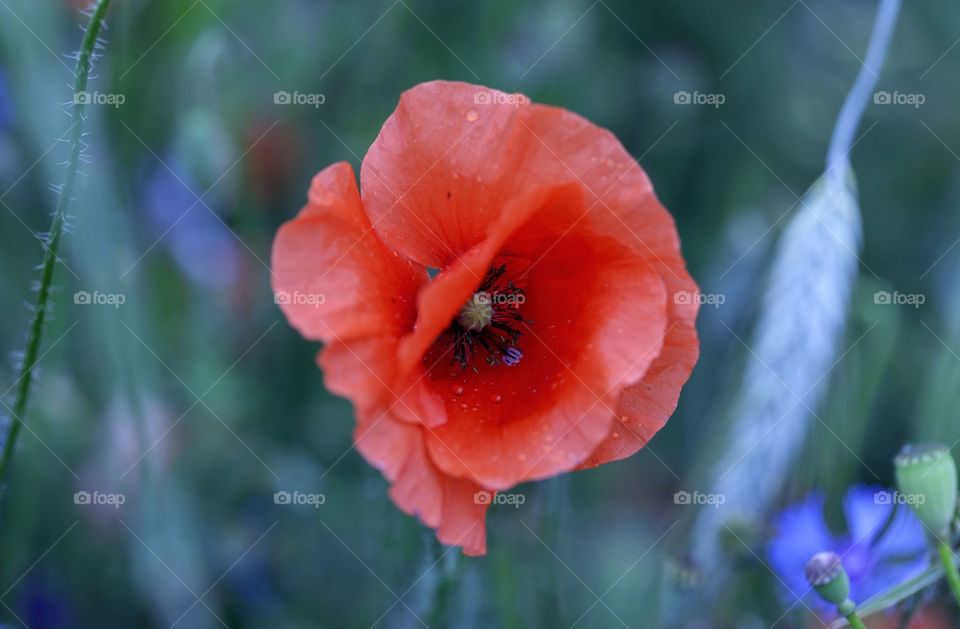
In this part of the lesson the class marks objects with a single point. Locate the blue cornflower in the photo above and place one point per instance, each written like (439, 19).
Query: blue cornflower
(876, 555)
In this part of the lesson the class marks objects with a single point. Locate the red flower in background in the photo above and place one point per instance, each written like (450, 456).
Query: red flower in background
(557, 333)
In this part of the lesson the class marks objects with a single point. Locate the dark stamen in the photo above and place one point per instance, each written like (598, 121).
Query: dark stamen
(485, 327)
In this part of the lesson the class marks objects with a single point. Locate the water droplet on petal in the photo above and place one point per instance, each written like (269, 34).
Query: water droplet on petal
(616, 435)
(457, 389)
(496, 398)
(472, 115)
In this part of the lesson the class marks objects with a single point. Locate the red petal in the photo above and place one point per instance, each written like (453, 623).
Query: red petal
(644, 407)
(599, 313)
(344, 286)
(433, 180)
(439, 302)
(623, 206)
(417, 486)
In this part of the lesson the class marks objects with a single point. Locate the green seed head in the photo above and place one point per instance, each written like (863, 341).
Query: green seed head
(927, 476)
(825, 573)
(477, 313)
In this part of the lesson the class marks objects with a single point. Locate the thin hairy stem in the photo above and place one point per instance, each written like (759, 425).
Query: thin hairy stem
(42, 303)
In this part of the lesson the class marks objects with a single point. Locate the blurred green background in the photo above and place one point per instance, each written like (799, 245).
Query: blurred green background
(197, 402)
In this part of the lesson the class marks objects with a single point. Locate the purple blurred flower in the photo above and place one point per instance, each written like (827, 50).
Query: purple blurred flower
(44, 603)
(6, 109)
(201, 244)
(873, 564)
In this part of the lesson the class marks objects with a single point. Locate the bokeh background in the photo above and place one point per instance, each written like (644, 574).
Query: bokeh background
(195, 401)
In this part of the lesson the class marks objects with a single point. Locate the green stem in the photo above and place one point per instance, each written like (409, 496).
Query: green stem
(447, 584)
(53, 240)
(855, 621)
(950, 568)
(849, 118)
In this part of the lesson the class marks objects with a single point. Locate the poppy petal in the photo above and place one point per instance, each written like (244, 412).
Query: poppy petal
(360, 370)
(644, 407)
(417, 486)
(337, 282)
(623, 205)
(431, 189)
(548, 413)
(439, 302)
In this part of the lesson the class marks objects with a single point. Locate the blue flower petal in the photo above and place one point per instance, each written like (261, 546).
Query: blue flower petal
(897, 555)
(800, 534)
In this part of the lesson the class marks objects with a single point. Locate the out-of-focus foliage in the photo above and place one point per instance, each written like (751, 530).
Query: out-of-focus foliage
(197, 402)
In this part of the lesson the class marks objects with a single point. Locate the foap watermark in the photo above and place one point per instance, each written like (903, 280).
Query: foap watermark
(698, 498)
(896, 298)
(489, 97)
(483, 297)
(298, 98)
(96, 298)
(896, 498)
(98, 498)
(498, 498)
(297, 298)
(899, 98)
(299, 498)
(99, 98)
(684, 97)
(683, 298)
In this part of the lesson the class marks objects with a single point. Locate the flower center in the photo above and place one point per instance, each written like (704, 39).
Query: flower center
(477, 313)
(485, 327)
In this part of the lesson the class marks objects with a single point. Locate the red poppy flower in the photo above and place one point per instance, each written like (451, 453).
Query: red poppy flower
(556, 333)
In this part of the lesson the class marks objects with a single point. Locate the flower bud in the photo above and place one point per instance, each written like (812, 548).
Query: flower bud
(927, 476)
(826, 574)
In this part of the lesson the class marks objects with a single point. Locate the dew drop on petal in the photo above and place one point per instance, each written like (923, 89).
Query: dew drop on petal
(472, 115)
(496, 398)
(616, 435)
(457, 389)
